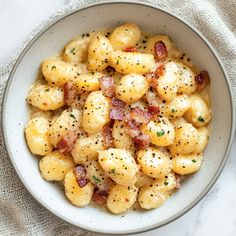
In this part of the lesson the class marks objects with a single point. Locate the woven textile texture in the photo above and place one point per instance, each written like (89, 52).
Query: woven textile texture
(20, 214)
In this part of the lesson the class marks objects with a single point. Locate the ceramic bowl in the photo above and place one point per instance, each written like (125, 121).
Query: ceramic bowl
(51, 40)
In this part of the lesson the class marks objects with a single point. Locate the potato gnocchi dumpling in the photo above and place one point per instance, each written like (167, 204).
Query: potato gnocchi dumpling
(186, 140)
(99, 53)
(154, 163)
(187, 164)
(69, 120)
(36, 134)
(120, 117)
(96, 112)
(132, 62)
(187, 83)
(199, 114)
(121, 138)
(155, 194)
(78, 196)
(58, 72)
(177, 107)
(119, 164)
(46, 97)
(88, 82)
(161, 131)
(121, 198)
(54, 166)
(87, 147)
(76, 51)
(131, 88)
(125, 36)
(168, 83)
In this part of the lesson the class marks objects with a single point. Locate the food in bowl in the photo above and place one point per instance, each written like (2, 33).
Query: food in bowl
(119, 117)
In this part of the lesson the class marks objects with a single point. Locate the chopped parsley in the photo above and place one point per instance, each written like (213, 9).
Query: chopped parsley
(117, 62)
(72, 115)
(160, 133)
(72, 51)
(113, 171)
(201, 119)
(166, 183)
(47, 90)
(173, 110)
(96, 179)
(53, 67)
(194, 161)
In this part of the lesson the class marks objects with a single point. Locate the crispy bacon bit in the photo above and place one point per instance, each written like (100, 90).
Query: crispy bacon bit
(142, 141)
(132, 129)
(66, 144)
(107, 86)
(152, 98)
(159, 70)
(70, 93)
(160, 51)
(202, 79)
(117, 109)
(130, 49)
(151, 78)
(100, 196)
(178, 180)
(107, 136)
(140, 116)
(154, 110)
(80, 174)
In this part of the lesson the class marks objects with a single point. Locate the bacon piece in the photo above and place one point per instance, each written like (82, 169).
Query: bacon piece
(160, 51)
(151, 78)
(130, 49)
(154, 110)
(117, 109)
(70, 93)
(159, 70)
(80, 174)
(132, 128)
(107, 86)
(152, 98)
(202, 79)
(107, 135)
(142, 141)
(140, 116)
(66, 144)
(100, 196)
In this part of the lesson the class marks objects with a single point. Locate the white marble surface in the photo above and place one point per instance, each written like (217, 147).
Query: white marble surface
(214, 215)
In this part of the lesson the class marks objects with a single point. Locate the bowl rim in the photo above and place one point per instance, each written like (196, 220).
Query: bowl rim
(50, 24)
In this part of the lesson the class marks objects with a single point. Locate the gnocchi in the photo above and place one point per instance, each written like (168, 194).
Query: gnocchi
(119, 117)
(54, 166)
(36, 134)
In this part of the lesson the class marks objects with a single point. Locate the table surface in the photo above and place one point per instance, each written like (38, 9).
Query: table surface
(215, 214)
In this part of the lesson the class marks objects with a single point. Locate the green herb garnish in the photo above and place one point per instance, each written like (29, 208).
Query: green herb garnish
(166, 183)
(72, 115)
(160, 133)
(113, 171)
(72, 51)
(46, 90)
(201, 119)
(173, 110)
(96, 179)
(194, 161)
(53, 67)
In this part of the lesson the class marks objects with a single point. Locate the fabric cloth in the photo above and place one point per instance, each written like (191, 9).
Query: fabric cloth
(20, 214)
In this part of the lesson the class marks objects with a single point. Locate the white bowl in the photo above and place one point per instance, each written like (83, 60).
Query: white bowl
(48, 42)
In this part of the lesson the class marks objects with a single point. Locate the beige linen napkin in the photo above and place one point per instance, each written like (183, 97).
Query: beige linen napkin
(20, 214)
